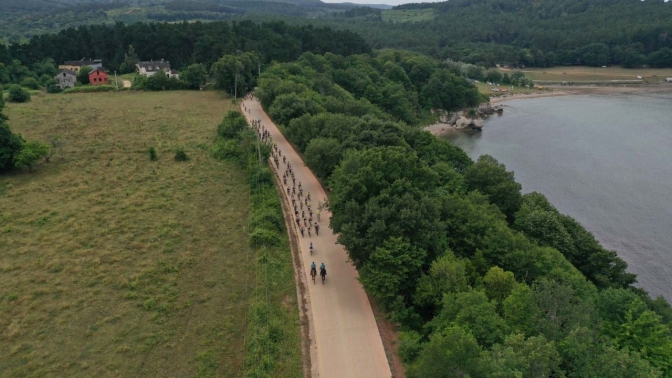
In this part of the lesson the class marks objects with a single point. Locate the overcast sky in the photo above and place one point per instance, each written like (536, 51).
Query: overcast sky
(388, 2)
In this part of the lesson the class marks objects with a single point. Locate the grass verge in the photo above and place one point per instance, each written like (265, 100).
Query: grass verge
(273, 340)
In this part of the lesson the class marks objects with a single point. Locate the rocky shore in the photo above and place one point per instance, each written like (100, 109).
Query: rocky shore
(462, 120)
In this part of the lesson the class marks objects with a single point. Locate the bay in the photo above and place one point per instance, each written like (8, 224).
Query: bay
(604, 160)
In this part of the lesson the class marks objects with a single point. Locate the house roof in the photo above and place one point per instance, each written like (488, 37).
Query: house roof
(98, 69)
(152, 66)
(173, 71)
(82, 62)
(71, 72)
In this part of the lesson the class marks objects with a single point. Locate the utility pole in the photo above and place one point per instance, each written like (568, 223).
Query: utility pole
(259, 74)
(115, 80)
(235, 87)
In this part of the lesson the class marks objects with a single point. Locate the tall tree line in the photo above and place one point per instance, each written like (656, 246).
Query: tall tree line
(184, 43)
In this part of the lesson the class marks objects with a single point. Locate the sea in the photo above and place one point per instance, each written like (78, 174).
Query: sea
(605, 160)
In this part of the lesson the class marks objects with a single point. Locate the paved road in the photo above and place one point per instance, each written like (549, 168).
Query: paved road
(346, 336)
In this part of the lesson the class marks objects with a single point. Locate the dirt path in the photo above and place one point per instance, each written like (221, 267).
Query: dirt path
(347, 342)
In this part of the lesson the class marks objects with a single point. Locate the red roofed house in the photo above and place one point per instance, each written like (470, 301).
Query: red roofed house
(98, 77)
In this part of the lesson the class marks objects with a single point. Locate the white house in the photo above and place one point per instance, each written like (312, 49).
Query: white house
(173, 74)
(66, 79)
(150, 68)
(669, 79)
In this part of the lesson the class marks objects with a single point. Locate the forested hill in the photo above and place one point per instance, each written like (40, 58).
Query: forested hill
(20, 20)
(532, 32)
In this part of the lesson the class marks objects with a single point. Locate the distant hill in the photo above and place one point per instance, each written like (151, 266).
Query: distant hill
(22, 19)
(527, 32)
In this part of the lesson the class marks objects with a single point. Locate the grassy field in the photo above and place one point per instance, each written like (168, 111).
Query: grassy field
(112, 265)
(414, 15)
(582, 73)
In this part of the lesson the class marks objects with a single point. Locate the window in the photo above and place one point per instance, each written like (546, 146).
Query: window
(63, 74)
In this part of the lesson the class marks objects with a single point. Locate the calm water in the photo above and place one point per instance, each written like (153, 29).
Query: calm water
(604, 160)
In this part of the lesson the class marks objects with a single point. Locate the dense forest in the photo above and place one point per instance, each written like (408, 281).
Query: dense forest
(528, 32)
(183, 43)
(485, 281)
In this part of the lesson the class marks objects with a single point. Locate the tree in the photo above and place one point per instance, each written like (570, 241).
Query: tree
(323, 155)
(472, 311)
(18, 94)
(491, 178)
(498, 284)
(31, 154)
(446, 275)
(130, 60)
(83, 74)
(392, 269)
(10, 143)
(236, 73)
(56, 143)
(585, 354)
(523, 357)
(450, 353)
(194, 76)
(30, 83)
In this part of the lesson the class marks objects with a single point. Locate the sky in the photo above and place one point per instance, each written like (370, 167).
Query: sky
(388, 2)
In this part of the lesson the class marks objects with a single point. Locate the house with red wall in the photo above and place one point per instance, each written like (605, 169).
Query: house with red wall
(98, 77)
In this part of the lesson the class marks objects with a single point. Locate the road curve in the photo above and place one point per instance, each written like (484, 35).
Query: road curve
(347, 340)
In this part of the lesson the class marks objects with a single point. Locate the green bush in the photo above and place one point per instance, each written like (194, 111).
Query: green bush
(409, 346)
(181, 155)
(267, 218)
(152, 154)
(90, 89)
(227, 149)
(263, 237)
(30, 83)
(18, 94)
(232, 124)
(260, 177)
(52, 87)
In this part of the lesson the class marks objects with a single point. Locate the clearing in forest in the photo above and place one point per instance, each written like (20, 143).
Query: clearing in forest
(115, 265)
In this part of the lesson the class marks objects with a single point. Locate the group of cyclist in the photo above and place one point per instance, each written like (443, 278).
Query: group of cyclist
(300, 202)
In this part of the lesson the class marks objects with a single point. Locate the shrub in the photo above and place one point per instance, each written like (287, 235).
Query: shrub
(18, 94)
(260, 177)
(31, 154)
(90, 89)
(471, 113)
(267, 218)
(264, 237)
(30, 83)
(227, 149)
(52, 87)
(181, 155)
(232, 124)
(152, 154)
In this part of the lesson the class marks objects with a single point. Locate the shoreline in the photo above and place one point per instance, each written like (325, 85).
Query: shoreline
(556, 91)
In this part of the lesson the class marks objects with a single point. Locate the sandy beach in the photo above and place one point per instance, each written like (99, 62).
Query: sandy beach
(585, 90)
